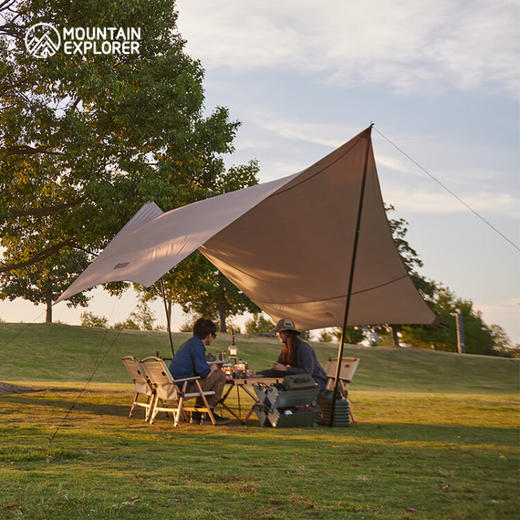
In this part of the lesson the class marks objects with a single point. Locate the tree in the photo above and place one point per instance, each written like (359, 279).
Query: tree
(409, 255)
(259, 324)
(325, 337)
(129, 324)
(88, 319)
(500, 338)
(412, 263)
(143, 316)
(478, 336)
(353, 335)
(502, 345)
(85, 140)
(44, 281)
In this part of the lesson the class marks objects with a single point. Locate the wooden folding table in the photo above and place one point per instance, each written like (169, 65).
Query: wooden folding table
(242, 384)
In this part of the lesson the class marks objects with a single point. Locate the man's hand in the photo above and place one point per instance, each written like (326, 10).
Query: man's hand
(279, 366)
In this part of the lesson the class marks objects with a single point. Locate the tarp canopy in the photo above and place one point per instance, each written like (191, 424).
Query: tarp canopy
(287, 244)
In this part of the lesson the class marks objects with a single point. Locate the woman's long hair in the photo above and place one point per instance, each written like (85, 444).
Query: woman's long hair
(290, 348)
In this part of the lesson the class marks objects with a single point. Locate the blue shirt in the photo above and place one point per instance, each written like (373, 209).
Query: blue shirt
(190, 360)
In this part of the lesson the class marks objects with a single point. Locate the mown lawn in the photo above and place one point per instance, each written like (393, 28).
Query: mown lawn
(440, 446)
(66, 353)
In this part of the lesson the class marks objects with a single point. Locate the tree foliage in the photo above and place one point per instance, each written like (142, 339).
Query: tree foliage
(89, 319)
(42, 282)
(353, 335)
(259, 324)
(85, 140)
(409, 256)
(478, 336)
(143, 316)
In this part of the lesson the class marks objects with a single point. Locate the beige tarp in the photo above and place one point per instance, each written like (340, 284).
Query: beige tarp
(287, 244)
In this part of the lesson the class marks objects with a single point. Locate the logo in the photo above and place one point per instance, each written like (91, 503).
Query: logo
(42, 40)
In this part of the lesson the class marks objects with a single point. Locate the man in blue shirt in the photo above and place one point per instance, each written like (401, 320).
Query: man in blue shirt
(190, 361)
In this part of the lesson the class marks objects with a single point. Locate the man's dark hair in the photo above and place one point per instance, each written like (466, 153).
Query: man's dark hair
(203, 327)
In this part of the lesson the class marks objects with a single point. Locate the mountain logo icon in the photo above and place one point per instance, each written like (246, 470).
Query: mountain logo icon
(42, 40)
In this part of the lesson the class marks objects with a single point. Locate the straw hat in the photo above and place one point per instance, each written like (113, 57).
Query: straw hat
(285, 324)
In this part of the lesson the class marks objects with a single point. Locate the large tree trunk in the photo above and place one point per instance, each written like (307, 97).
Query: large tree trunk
(48, 317)
(395, 329)
(222, 316)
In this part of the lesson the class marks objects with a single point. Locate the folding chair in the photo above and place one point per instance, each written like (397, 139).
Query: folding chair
(141, 383)
(169, 397)
(346, 373)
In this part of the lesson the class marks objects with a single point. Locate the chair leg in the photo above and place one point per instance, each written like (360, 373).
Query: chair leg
(151, 405)
(133, 405)
(153, 410)
(148, 407)
(177, 413)
(203, 397)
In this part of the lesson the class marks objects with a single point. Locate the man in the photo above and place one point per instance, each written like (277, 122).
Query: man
(190, 361)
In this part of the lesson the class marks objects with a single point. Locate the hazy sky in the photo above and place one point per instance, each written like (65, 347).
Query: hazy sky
(438, 78)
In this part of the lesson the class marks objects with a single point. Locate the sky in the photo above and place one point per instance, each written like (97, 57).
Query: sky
(439, 79)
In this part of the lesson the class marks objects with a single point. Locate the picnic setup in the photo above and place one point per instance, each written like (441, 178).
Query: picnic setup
(293, 400)
(334, 206)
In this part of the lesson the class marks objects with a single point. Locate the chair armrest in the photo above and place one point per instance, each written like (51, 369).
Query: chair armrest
(186, 379)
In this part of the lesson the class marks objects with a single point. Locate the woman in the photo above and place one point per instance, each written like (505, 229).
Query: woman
(297, 357)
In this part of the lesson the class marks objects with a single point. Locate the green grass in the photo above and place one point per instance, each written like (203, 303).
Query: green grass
(436, 438)
(43, 352)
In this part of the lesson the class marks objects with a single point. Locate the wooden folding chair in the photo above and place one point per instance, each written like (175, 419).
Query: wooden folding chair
(346, 373)
(169, 397)
(142, 385)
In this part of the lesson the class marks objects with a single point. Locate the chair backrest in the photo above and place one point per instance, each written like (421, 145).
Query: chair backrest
(160, 378)
(347, 370)
(137, 375)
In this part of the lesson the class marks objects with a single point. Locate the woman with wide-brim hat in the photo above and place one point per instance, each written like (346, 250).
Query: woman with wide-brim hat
(297, 356)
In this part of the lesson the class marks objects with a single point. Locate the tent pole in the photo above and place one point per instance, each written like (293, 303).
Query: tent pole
(351, 277)
(167, 316)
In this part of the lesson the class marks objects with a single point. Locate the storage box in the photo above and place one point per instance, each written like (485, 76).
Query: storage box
(341, 409)
(279, 407)
(299, 417)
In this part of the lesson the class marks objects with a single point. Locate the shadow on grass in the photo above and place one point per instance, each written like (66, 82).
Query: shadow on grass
(252, 434)
(95, 408)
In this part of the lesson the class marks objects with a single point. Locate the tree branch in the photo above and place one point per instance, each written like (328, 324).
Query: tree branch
(23, 149)
(47, 210)
(84, 249)
(5, 4)
(38, 257)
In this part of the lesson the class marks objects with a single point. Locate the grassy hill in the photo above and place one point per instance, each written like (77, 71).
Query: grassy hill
(41, 352)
